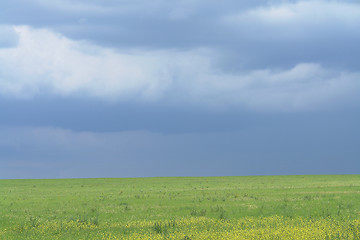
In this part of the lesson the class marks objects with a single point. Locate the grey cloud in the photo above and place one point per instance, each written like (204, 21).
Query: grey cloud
(160, 24)
(282, 35)
(248, 44)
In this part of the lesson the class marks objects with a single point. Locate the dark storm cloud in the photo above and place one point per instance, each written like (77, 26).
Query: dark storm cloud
(306, 145)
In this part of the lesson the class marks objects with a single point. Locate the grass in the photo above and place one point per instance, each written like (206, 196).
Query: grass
(187, 207)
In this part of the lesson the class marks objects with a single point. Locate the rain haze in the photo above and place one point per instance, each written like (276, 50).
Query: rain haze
(139, 88)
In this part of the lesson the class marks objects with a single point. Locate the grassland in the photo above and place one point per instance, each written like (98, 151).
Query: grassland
(259, 207)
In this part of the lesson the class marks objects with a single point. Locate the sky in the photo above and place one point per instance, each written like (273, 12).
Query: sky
(119, 88)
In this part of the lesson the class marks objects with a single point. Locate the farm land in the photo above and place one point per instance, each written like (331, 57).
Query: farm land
(253, 207)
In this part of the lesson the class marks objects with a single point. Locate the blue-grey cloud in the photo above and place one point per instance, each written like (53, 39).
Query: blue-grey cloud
(84, 115)
(283, 34)
(247, 34)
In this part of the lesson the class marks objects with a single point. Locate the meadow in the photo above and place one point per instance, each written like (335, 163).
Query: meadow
(254, 207)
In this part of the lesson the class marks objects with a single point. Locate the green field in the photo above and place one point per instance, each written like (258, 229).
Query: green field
(257, 207)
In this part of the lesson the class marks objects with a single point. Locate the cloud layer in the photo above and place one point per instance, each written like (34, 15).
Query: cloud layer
(48, 63)
(108, 88)
(275, 55)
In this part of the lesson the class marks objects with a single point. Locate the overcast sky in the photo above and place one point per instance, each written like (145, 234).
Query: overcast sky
(118, 88)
